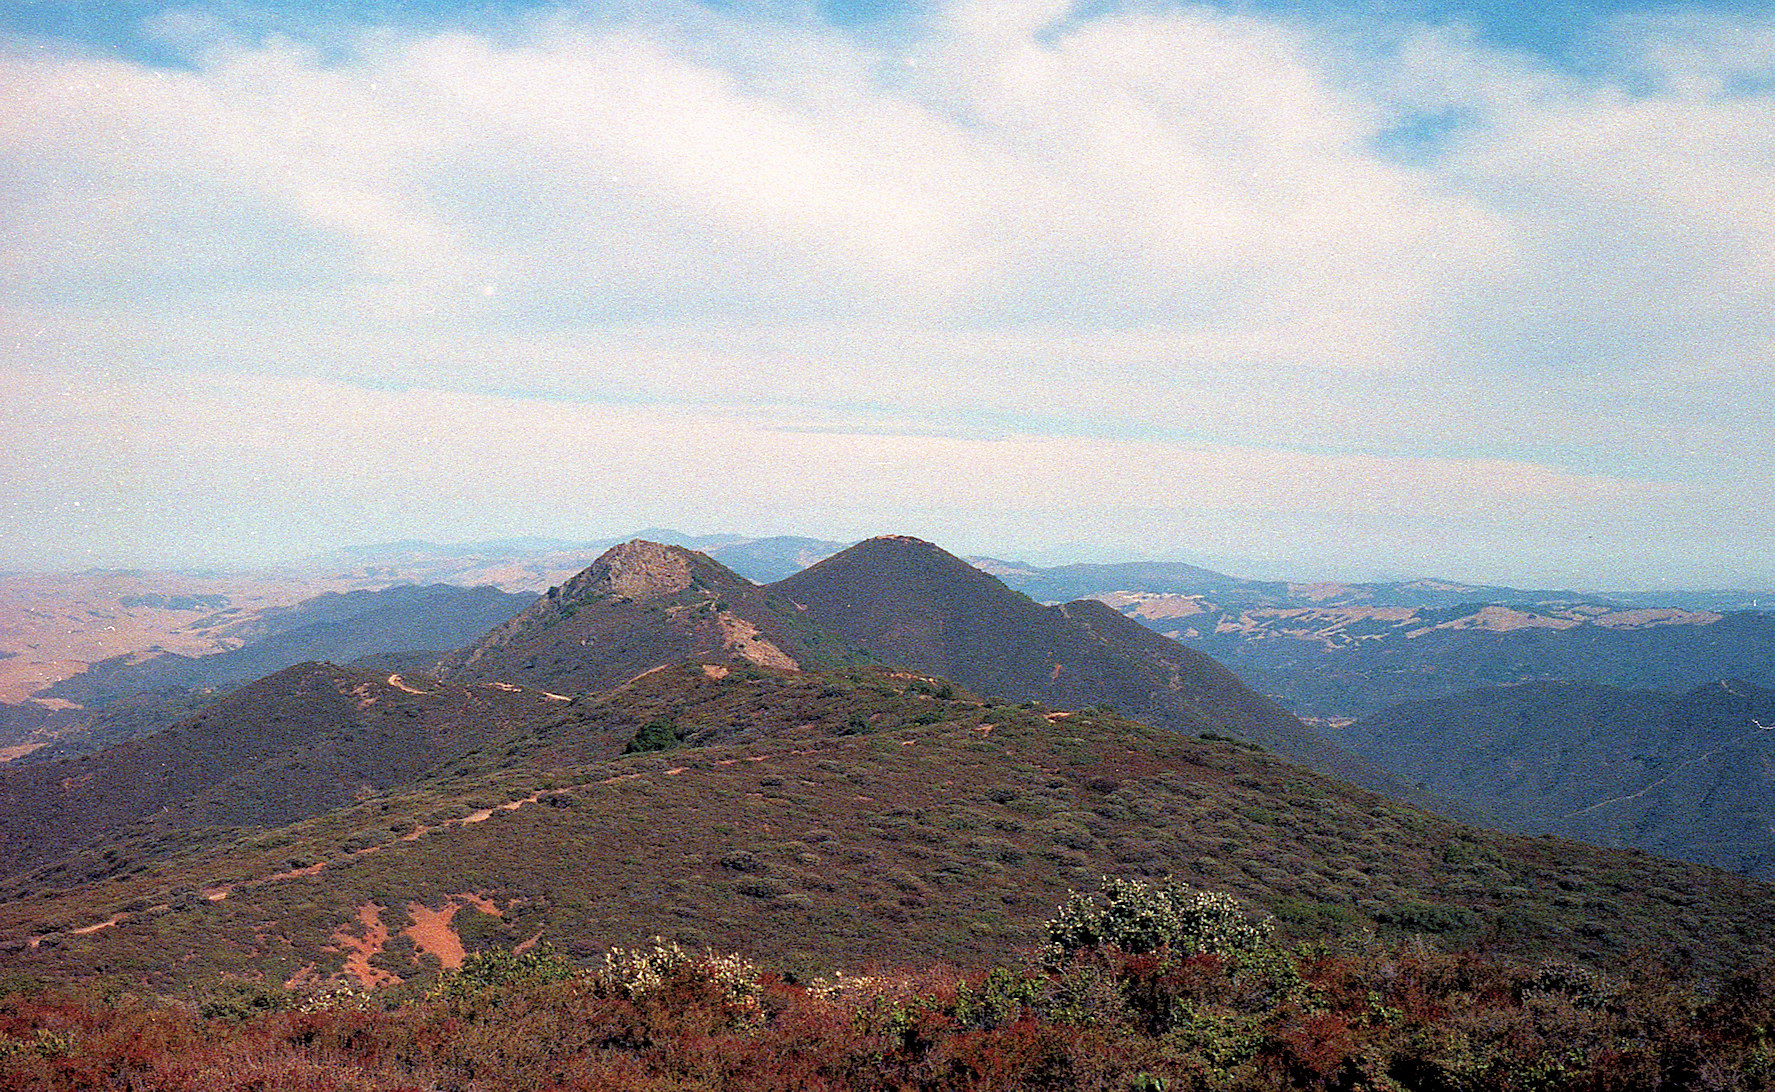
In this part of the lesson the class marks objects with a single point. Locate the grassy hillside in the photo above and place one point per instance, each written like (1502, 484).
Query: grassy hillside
(821, 821)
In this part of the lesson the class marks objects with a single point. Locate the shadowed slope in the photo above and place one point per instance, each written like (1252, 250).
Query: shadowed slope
(294, 744)
(1684, 775)
(912, 603)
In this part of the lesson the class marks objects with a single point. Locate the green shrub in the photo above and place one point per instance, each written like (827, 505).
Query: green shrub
(500, 968)
(237, 1000)
(655, 735)
(1420, 917)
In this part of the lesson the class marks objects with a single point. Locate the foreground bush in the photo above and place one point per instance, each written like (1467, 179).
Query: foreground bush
(1171, 992)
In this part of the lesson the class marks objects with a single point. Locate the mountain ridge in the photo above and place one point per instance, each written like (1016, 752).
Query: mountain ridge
(910, 602)
(296, 743)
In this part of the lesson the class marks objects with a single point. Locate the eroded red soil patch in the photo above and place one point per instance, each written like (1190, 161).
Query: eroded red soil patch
(434, 931)
(359, 950)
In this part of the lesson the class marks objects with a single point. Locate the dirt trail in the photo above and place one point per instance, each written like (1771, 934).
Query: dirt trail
(432, 930)
(85, 930)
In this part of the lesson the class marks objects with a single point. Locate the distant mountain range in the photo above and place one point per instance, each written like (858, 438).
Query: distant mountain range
(1326, 650)
(1349, 662)
(340, 627)
(537, 563)
(534, 564)
(1332, 653)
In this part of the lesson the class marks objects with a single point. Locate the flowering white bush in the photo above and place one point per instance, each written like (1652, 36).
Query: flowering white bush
(1139, 917)
(634, 972)
(333, 995)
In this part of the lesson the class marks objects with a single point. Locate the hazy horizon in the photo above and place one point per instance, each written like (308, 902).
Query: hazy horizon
(1044, 559)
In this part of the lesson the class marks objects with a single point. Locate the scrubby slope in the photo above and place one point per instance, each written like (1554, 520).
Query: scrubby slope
(909, 602)
(836, 820)
(295, 744)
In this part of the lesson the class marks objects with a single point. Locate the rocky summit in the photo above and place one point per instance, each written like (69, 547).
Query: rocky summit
(640, 606)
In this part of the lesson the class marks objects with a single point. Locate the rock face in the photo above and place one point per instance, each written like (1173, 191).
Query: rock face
(635, 570)
(638, 607)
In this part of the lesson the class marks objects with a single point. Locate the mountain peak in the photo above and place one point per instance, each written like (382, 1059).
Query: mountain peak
(916, 605)
(640, 606)
(901, 555)
(638, 570)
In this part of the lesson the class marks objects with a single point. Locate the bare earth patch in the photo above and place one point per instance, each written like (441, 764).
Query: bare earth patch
(1154, 604)
(1506, 619)
(1669, 616)
(360, 949)
(743, 637)
(434, 931)
(396, 682)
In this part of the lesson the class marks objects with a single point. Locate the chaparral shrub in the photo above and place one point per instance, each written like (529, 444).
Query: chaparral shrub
(1138, 917)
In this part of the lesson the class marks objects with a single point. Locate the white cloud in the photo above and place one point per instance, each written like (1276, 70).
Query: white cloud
(1173, 253)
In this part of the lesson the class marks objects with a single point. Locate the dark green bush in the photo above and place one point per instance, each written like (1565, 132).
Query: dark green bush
(656, 735)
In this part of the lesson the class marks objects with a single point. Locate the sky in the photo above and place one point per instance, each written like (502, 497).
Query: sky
(1305, 289)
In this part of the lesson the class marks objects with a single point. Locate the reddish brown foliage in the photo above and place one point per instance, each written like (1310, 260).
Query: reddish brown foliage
(1318, 1020)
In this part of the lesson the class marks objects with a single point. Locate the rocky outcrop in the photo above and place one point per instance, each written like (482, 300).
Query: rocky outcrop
(640, 606)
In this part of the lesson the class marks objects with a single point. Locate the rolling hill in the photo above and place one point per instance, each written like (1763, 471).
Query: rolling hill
(1688, 775)
(295, 744)
(821, 820)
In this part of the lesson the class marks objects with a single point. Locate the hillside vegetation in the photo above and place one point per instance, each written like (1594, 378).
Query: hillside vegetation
(1682, 775)
(827, 821)
(1138, 989)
